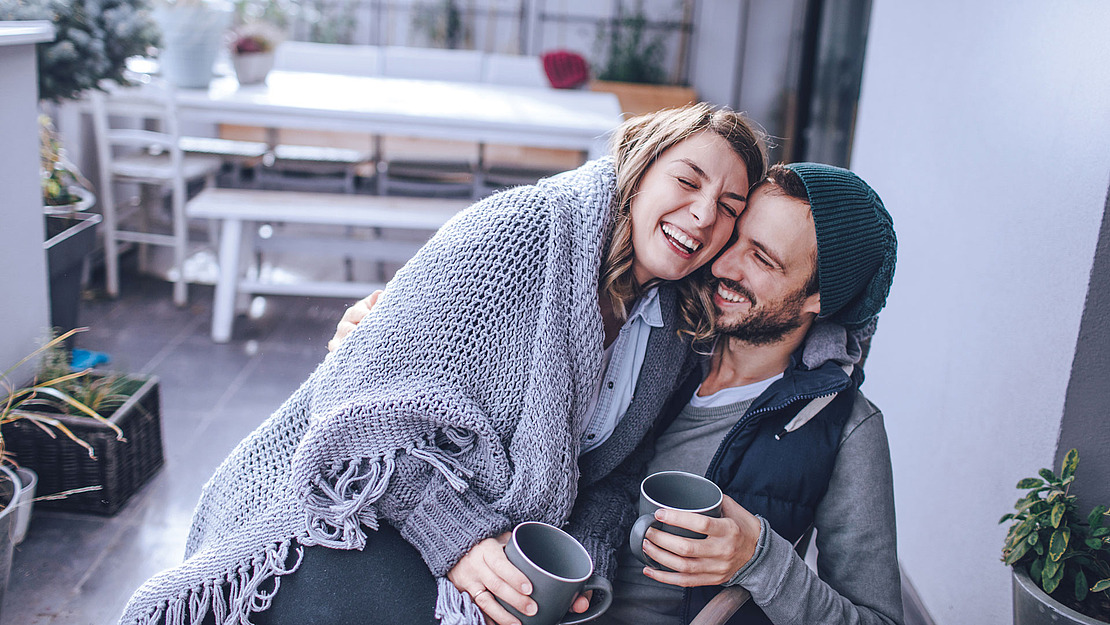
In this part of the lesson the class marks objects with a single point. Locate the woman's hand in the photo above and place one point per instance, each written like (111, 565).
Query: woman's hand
(711, 561)
(351, 318)
(485, 572)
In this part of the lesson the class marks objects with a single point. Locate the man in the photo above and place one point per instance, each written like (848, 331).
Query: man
(778, 423)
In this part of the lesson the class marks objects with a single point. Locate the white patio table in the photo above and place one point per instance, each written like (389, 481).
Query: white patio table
(481, 112)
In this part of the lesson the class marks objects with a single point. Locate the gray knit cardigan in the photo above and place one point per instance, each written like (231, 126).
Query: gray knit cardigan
(450, 411)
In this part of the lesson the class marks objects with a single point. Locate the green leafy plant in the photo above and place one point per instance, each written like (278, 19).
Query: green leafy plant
(631, 54)
(1067, 556)
(442, 23)
(57, 390)
(93, 40)
(59, 175)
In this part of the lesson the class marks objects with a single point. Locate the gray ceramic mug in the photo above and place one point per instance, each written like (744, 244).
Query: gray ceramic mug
(673, 490)
(559, 568)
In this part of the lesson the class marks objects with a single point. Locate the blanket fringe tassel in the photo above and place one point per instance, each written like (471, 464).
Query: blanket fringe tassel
(454, 607)
(341, 502)
(243, 586)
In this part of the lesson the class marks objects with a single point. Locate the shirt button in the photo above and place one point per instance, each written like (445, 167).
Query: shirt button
(590, 436)
(610, 384)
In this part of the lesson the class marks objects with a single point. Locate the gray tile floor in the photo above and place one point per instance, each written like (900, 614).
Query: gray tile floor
(77, 569)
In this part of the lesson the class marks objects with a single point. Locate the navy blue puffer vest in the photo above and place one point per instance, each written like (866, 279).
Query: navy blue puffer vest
(783, 479)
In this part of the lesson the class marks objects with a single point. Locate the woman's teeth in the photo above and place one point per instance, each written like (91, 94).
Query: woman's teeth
(674, 233)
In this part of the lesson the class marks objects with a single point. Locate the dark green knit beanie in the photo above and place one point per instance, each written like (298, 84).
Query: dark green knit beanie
(856, 246)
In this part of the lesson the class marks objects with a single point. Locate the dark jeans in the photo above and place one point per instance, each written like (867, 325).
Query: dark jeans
(387, 583)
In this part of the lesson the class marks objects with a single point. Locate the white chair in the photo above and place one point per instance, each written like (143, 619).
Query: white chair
(514, 70)
(328, 58)
(432, 64)
(150, 156)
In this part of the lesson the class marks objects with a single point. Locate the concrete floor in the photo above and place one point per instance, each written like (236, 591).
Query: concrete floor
(78, 569)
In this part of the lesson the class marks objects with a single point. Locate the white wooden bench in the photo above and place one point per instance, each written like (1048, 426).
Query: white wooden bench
(234, 207)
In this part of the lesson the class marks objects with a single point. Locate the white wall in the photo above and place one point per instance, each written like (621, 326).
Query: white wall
(985, 127)
(24, 313)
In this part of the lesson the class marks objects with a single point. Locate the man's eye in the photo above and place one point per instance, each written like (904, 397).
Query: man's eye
(763, 260)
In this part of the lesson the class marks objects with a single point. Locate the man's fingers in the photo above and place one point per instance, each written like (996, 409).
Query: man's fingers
(692, 521)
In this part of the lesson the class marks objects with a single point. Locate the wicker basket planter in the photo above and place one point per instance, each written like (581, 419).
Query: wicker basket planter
(120, 467)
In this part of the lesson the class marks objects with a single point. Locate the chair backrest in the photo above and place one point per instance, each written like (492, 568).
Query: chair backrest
(432, 64)
(140, 119)
(514, 70)
(328, 58)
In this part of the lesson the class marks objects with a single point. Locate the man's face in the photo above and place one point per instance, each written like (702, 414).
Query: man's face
(762, 277)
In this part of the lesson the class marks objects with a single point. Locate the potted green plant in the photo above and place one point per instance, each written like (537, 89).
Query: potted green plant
(442, 24)
(93, 40)
(252, 51)
(15, 405)
(633, 67)
(112, 427)
(1061, 561)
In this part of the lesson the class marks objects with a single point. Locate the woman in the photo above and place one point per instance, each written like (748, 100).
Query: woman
(459, 408)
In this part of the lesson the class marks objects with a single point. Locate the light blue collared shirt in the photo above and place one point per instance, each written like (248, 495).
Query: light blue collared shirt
(620, 371)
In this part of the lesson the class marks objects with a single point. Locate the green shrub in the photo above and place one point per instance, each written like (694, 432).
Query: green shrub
(93, 40)
(1067, 556)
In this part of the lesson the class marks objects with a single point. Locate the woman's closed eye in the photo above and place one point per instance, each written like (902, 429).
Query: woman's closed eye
(686, 182)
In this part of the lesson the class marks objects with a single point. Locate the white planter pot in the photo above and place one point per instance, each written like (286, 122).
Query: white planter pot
(192, 35)
(1032, 606)
(252, 68)
(28, 481)
(9, 503)
(85, 200)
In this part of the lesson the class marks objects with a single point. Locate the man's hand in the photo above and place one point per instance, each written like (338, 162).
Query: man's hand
(711, 561)
(485, 572)
(351, 318)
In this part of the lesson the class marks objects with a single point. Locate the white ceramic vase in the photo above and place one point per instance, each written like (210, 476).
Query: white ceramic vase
(251, 68)
(192, 34)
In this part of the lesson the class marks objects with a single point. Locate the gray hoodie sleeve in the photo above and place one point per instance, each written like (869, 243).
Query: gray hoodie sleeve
(858, 579)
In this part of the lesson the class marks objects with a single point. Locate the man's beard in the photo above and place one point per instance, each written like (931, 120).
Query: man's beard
(763, 326)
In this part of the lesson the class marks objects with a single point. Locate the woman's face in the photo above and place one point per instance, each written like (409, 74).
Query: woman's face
(686, 206)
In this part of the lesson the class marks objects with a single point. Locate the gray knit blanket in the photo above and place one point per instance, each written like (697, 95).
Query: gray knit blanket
(449, 412)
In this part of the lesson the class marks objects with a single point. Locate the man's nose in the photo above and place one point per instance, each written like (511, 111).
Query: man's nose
(728, 264)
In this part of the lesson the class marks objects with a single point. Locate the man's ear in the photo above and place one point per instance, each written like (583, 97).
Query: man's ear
(812, 304)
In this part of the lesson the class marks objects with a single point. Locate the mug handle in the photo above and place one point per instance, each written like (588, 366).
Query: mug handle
(598, 585)
(636, 540)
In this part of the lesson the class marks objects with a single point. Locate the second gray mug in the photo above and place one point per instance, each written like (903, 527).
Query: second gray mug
(559, 568)
(674, 490)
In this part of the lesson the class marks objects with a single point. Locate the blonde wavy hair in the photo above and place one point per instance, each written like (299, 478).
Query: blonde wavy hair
(637, 144)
